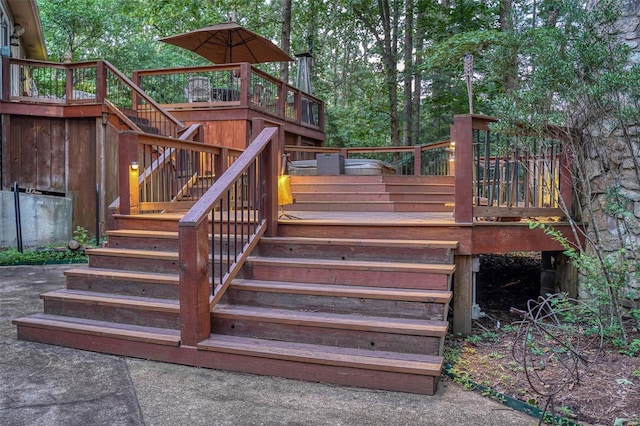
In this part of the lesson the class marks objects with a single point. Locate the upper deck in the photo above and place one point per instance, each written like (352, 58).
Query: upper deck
(223, 98)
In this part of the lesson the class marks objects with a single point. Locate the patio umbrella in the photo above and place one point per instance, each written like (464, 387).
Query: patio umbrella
(229, 42)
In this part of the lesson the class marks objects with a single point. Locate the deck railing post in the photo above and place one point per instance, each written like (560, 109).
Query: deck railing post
(297, 105)
(128, 173)
(101, 82)
(6, 78)
(566, 179)
(245, 81)
(462, 135)
(193, 246)
(68, 89)
(270, 165)
(321, 116)
(417, 160)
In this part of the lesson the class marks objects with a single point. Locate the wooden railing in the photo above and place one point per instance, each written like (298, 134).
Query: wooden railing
(231, 85)
(85, 83)
(160, 173)
(434, 159)
(242, 205)
(507, 177)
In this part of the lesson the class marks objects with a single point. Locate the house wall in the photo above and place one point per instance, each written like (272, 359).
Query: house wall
(612, 160)
(45, 220)
(64, 157)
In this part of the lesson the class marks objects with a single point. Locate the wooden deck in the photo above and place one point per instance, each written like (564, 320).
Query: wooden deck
(352, 287)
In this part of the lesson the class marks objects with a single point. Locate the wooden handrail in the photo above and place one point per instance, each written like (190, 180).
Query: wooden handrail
(126, 120)
(204, 205)
(196, 294)
(372, 149)
(139, 92)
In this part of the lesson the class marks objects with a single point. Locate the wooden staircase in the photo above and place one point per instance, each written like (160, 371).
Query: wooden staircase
(368, 312)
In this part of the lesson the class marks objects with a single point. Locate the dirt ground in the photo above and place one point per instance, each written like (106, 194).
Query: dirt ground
(607, 390)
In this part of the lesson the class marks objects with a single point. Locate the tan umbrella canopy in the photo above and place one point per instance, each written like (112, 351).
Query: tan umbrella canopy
(229, 42)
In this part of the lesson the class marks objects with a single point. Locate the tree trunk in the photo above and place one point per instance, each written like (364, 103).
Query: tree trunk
(285, 42)
(510, 79)
(407, 127)
(417, 81)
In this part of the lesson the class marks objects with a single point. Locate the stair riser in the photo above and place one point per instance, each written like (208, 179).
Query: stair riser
(418, 197)
(347, 207)
(414, 207)
(387, 254)
(117, 314)
(423, 180)
(445, 233)
(416, 189)
(140, 223)
(147, 243)
(311, 274)
(318, 335)
(337, 179)
(123, 287)
(338, 305)
(345, 376)
(302, 197)
(159, 244)
(171, 225)
(134, 264)
(143, 265)
(342, 187)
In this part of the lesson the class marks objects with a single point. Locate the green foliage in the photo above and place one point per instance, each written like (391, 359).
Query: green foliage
(604, 278)
(631, 349)
(82, 236)
(485, 336)
(40, 256)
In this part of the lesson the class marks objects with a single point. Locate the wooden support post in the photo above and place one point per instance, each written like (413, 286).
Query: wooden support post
(547, 274)
(195, 291)
(462, 295)
(6, 79)
(127, 175)
(269, 165)
(5, 143)
(462, 135)
(566, 275)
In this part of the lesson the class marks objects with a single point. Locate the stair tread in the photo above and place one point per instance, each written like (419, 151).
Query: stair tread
(418, 244)
(104, 299)
(353, 264)
(155, 277)
(338, 321)
(162, 336)
(331, 290)
(143, 233)
(328, 355)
